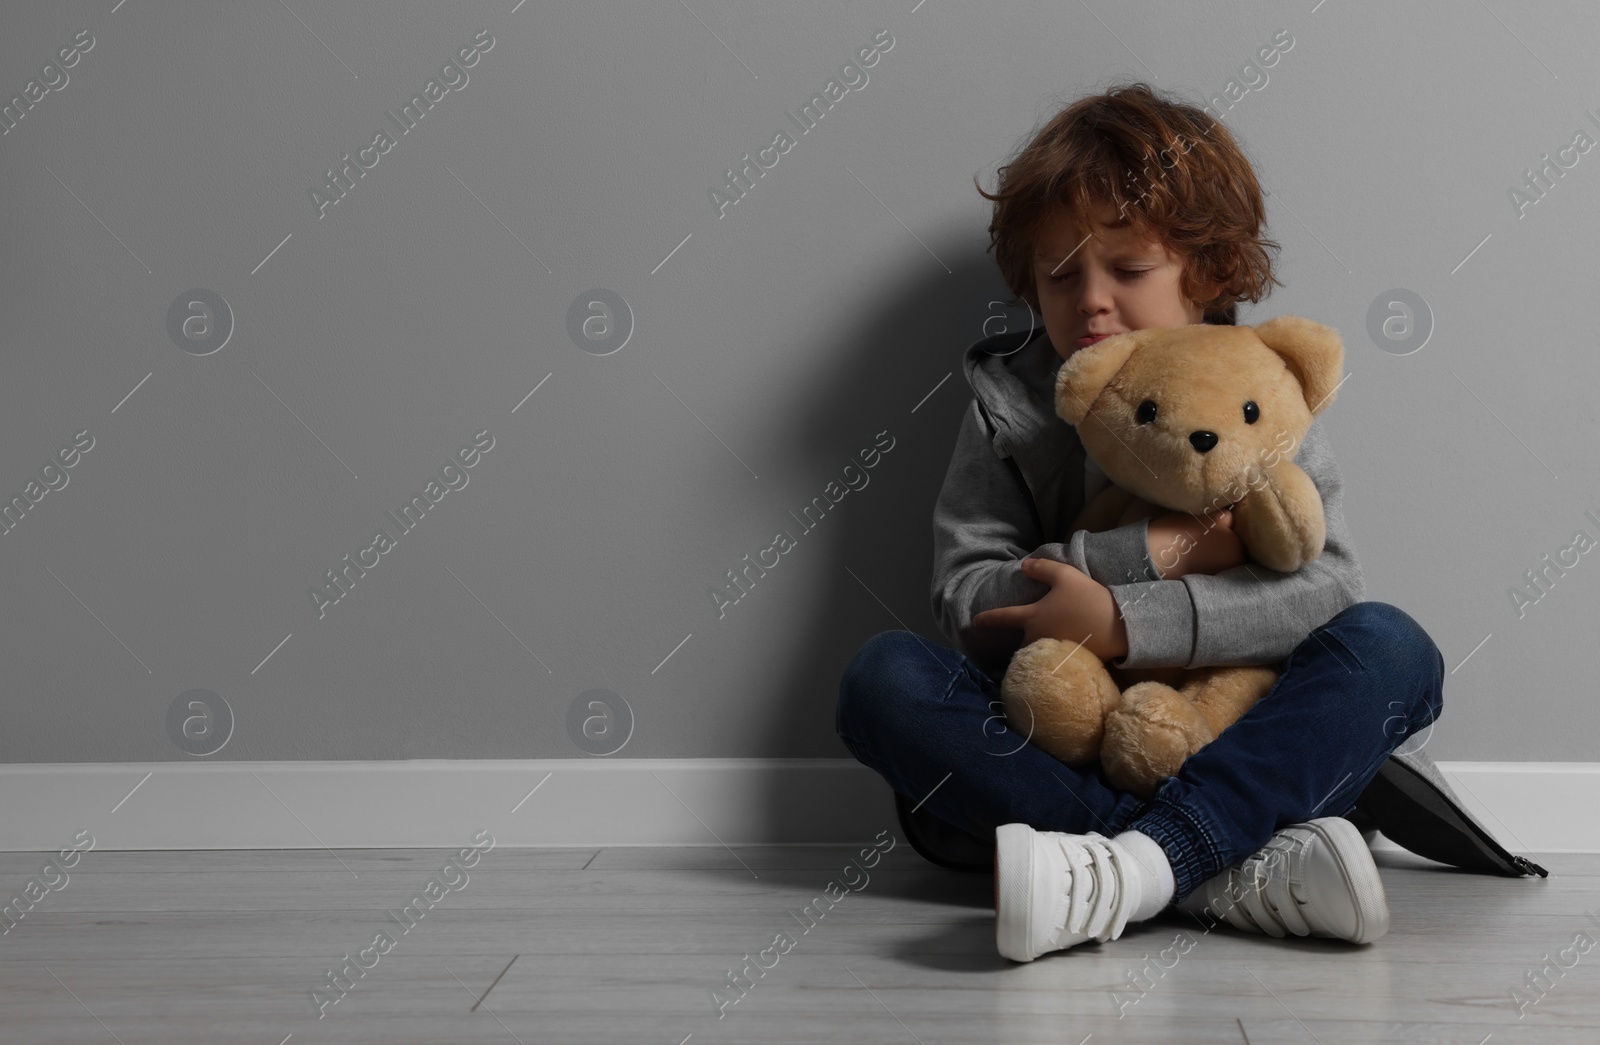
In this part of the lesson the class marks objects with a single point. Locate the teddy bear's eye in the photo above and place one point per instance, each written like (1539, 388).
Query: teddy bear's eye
(1146, 412)
(1252, 412)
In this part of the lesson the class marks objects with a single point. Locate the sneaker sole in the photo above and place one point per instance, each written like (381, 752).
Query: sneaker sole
(1013, 882)
(1348, 846)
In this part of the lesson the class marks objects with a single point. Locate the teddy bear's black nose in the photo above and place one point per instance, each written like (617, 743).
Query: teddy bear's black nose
(1203, 441)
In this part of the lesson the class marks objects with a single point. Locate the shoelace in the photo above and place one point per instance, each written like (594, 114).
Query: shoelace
(1257, 895)
(1097, 902)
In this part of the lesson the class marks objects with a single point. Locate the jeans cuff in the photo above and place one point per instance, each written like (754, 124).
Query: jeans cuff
(1185, 840)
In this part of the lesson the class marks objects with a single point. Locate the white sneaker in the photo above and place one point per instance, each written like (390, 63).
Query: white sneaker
(1055, 890)
(1311, 879)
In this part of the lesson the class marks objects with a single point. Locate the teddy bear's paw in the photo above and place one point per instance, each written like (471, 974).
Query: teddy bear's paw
(1057, 695)
(1153, 729)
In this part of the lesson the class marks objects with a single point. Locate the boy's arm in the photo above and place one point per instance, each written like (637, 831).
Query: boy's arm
(984, 524)
(1248, 614)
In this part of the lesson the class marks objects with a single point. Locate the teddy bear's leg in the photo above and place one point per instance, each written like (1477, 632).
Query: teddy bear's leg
(1223, 695)
(1057, 695)
(1156, 727)
(1148, 735)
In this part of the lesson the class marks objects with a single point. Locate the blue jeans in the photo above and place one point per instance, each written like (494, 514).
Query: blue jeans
(929, 720)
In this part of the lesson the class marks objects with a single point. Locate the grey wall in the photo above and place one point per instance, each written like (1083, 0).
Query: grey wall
(777, 342)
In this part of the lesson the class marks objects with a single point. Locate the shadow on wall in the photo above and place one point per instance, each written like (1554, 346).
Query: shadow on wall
(875, 548)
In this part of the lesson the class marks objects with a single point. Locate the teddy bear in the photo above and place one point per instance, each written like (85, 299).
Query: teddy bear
(1182, 419)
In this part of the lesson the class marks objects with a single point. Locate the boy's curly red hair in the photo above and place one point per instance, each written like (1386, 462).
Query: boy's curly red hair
(1163, 165)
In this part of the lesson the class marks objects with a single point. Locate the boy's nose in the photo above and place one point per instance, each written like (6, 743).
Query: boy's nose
(1203, 440)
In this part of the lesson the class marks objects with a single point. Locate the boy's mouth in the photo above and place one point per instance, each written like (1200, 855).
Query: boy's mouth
(1085, 342)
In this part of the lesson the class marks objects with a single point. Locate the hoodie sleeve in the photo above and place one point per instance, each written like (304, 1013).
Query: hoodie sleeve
(1117, 556)
(984, 525)
(1248, 614)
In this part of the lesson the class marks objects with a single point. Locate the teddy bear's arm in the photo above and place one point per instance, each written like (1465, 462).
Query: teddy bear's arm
(1252, 614)
(1281, 520)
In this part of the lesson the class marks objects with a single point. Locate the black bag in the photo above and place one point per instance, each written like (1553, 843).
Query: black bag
(1414, 806)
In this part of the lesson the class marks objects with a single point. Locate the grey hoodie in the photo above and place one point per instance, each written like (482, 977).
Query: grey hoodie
(1017, 479)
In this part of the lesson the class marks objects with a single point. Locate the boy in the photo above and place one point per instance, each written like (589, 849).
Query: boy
(1129, 211)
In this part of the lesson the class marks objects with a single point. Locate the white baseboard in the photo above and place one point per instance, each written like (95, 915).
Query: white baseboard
(1531, 807)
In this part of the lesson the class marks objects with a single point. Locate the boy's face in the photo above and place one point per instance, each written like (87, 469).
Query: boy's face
(1110, 283)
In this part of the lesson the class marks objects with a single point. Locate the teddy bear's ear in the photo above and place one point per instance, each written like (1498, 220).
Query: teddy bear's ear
(1313, 352)
(1086, 372)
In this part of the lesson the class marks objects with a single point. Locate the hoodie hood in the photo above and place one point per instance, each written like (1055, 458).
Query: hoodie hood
(1013, 376)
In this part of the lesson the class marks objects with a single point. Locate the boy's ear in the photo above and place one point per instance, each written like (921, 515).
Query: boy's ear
(1312, 351)
(1085, 374)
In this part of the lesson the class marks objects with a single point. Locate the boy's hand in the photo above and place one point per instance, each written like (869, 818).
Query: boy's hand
(1182, 544)
(1076, 609)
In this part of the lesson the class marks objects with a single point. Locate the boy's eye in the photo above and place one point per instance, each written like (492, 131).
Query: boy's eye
(1146, 412)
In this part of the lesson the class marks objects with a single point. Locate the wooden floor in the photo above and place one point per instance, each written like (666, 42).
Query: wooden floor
(626, 945)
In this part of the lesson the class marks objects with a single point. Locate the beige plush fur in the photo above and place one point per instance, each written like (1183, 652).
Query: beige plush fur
(1143, 723)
